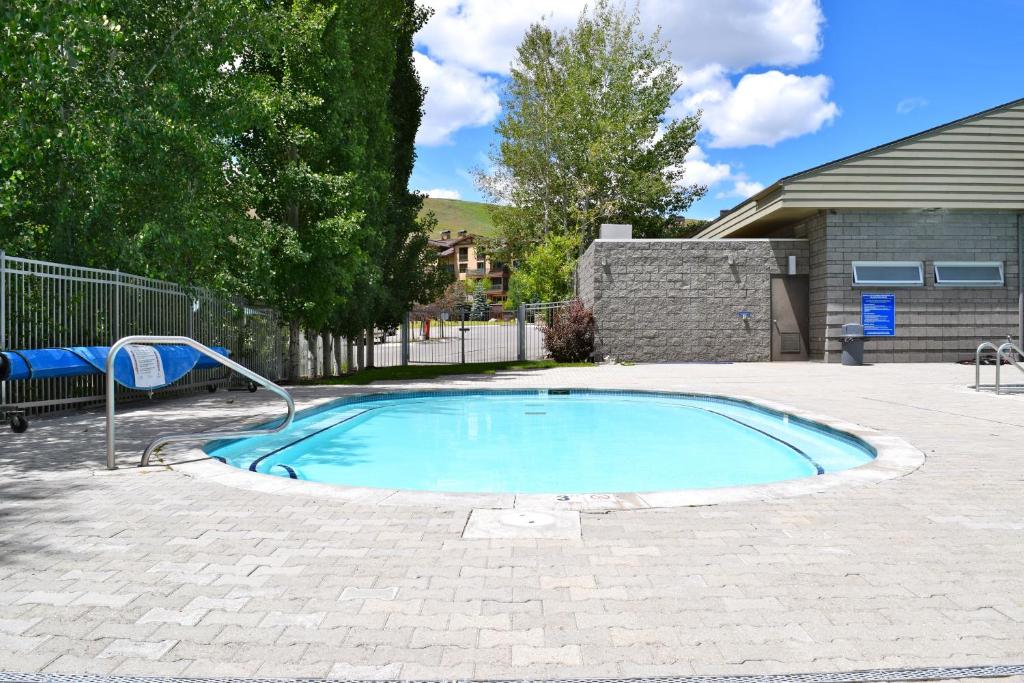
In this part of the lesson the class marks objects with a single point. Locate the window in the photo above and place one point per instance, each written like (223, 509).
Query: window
(497, 284)
(888, 273)
(463, 267)
(968, 273)
(463, 253)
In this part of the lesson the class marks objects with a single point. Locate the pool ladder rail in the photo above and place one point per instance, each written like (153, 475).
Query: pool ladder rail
(1010, 351)
(197, 436)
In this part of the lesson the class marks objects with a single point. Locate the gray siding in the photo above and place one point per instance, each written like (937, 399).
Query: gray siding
(978, 163)
(932, 323)
(677, 300)
(974, 163)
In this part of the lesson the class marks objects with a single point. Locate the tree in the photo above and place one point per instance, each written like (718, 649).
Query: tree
(481, 309)
(116, 121)
(546, 272)
(262, 147)
(586, 138)
(410, 268)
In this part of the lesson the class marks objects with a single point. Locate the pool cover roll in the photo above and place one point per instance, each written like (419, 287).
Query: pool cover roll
(137, 366)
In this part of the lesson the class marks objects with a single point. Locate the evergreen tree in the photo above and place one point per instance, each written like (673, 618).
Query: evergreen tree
(481, 309)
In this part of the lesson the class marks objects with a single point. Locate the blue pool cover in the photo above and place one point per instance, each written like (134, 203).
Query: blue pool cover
(167, 363)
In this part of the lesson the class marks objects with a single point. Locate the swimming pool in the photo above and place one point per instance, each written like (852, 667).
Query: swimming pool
(546, 441)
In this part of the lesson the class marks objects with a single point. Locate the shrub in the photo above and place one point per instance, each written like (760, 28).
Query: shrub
(570, 336)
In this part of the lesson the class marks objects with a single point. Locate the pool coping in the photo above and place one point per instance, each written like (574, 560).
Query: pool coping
(894, 457)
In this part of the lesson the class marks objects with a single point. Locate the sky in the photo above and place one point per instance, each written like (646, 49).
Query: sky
(783, 85)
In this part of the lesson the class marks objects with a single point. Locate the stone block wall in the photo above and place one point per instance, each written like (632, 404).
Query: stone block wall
(936, 324)
(678, 300)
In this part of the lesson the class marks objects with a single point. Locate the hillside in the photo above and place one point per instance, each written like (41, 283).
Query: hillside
(455, 215)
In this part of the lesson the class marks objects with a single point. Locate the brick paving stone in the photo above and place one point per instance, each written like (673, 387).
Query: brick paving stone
(364, 672)
(137, 649)
(100, 572)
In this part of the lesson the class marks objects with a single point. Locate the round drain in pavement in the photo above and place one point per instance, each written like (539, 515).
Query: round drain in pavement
(527, 519)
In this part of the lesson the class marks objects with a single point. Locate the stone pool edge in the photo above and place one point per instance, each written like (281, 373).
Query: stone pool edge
(895, 457)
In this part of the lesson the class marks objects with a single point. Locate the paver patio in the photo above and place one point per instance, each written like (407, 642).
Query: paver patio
(156, 572)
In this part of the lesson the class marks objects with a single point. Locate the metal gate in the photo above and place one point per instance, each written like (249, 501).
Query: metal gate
(452, 339)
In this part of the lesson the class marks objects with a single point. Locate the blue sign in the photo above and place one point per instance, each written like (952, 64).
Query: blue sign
(878, 315)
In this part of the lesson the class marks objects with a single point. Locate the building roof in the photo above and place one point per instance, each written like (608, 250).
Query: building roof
(976, 162)
(447, 247)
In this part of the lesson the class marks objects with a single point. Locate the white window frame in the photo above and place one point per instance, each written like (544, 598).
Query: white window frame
(1001, 282)
(888, 283)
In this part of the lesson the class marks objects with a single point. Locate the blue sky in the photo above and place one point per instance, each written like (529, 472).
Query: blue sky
(784, 84)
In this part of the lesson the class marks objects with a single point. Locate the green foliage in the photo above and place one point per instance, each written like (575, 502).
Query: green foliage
(585, 137)
(481, 309)
(546, 273)
(115, 127)
(257, 146)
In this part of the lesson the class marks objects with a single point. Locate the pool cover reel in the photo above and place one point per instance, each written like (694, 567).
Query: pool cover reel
(136, 366)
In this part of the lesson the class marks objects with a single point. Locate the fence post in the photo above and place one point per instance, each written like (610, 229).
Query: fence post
(462, 331)
(405, 339)
(116, 324)
(521, 329)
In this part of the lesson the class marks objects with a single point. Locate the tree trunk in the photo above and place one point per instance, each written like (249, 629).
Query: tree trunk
(360, 355)
(294, 340)
(327, 340)
(337, 355)
(370, 343)
(314, 357)
(350, 355)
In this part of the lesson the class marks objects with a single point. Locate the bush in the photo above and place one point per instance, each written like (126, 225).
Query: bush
(570, 336)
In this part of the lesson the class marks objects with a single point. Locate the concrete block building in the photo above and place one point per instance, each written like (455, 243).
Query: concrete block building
(936, 220)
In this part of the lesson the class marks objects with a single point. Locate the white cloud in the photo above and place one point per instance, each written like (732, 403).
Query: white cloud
(742, 189)
(468, 45)
(909, 104)
(737, 34)
(441, 193)
(482, 35)
(698, 171)
(761, 109)
(456, 98)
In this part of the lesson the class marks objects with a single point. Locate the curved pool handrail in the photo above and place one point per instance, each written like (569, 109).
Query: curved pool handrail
(977, 363)
(203, 436)
(1008, 348)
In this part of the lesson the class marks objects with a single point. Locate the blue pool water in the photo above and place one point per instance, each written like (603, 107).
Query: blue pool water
(540, 442)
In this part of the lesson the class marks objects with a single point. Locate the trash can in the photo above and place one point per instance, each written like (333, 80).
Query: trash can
(853, 344)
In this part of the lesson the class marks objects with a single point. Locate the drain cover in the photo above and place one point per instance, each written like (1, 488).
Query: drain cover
(558, 524)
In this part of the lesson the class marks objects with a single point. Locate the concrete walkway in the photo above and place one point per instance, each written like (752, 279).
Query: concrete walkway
(154, 572)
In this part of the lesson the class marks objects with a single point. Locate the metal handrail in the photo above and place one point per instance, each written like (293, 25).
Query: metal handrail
(1005, 348)
(977, 363)
(204, 436)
